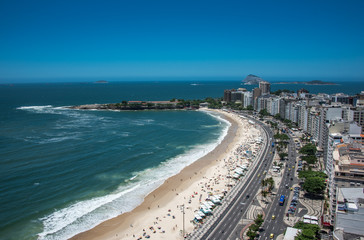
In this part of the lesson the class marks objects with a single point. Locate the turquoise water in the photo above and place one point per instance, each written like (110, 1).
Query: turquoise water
(64, 171)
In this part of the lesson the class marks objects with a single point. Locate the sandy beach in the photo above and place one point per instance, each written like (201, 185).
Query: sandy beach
(160, 215)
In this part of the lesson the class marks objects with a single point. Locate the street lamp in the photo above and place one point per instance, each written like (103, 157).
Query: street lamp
(183, 217)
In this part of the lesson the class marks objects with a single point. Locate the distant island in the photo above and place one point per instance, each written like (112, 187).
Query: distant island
(313, 82)
(252, 79)
(101, 81)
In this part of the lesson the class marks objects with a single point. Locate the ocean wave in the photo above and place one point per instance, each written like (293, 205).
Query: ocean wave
(210, 126)
(84, 215)
(63, 223)
(51, 138)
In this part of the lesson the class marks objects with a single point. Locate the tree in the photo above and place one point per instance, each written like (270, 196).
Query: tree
(309, 231)
(306, 174)
(279, 91)
(254, 227)
(251, 234)
(270, 182)
(264, 194)
(307, 234)
(314, 185)
(259, 220)
(283, 155)
(249, 108)
(264, 182)
(309, 159)
(278, 116)
(263, 113)
(308, 149)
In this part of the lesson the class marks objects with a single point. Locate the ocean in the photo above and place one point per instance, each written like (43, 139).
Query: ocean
(63, 171)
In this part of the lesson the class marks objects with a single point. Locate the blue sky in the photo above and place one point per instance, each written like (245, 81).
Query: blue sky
(181, 39)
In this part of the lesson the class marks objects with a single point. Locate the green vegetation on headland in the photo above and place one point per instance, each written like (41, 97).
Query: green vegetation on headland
(154, 105)
(279, 91)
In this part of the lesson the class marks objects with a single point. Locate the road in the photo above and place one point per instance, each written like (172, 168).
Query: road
(225, 227)
(277, 226)
(229, 225)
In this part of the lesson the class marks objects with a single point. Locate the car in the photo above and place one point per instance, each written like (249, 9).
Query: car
(291, 179)
(247, 196)
(289, 169)
(291, 189)
(273, 217)
(297, 188)
(271, 235)
(292, 166)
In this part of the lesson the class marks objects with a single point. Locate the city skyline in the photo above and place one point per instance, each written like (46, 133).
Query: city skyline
(181, 40)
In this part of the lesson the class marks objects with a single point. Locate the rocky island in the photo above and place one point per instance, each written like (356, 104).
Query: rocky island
(252, 80)
(313, 82)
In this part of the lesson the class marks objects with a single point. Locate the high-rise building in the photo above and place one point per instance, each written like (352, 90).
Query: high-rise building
(257, 92)
(227, 95)
(265, 87)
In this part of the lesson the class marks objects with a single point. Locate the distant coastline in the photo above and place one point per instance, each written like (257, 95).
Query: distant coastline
(313, 82)
(101, 81)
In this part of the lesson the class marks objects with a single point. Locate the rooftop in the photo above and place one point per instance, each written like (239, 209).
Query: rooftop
(352, 221)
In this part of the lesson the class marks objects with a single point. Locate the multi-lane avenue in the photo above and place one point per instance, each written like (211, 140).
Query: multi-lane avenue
(228, 224)
(277, 226)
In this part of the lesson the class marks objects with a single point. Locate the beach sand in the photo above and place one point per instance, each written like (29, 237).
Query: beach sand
(160, 215)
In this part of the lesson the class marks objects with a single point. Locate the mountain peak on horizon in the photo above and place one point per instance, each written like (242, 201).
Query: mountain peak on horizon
(252, 79)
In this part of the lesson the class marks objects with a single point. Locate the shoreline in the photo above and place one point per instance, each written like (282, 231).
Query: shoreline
(159, 215)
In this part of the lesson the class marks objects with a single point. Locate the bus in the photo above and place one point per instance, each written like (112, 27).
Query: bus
(281, 200)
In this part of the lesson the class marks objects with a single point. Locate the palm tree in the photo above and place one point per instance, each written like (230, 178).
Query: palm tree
(264, 182)
(270, 183)
(264, 194)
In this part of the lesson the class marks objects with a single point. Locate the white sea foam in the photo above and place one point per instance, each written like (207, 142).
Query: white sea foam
(74, 120)
(61, 223)
(84, 215)
(132, 178)
(142, 122)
